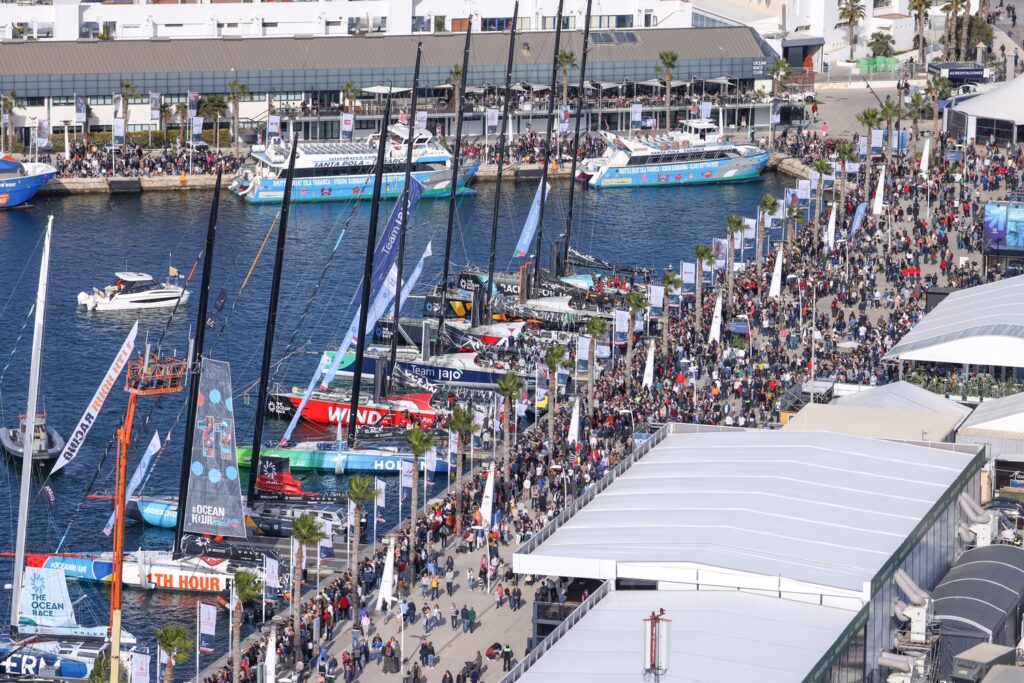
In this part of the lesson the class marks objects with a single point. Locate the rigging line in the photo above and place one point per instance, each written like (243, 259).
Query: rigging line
(17, 289)
(14, 347)
(88, 488)
(177, 303)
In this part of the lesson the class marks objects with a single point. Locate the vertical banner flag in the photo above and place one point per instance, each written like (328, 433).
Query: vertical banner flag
(137, 477)
(197, 128)
(876, 139)
(705, 110)
(326, 545)
(540, 392)
(80, 111)
(93, 408)
(876, 206)
(657, 299)
(118, 103)
(583, 353)
(348, 121)
(193, 104)
(492, 120)
(532, 220)
(154, 106)
(163, 659)
(636, 112)
(380, 500)
(858, 217)
(453, 450)
(689, 273)
(273, 124)
(621, 326)
(207, 627)
(271, 578)
(487, 502)
(430, 460)
(140, 667)
(863, 146)
(42, 133)
(118, 131)
(406, 474)
(563, 119)
(421, 119)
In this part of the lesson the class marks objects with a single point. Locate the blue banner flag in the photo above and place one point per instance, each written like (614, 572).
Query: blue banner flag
(532, 220)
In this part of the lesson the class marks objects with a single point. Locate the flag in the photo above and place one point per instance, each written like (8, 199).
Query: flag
(492, 120)
(347, 125)
(232, 598)
(162, 660)
(80, 109)
(326, 545)
(574, 421)
(118, 131)
(197, 128)
(649, 366)
(453, 449)
(541, 388)
(636, 113)
(705, 110)
(118, 103)
(775, 290)
(154, 106)
(271, 578)
(487, 502)
(421, 119)
(403, 119)
(273, 125)
(621, 326)
(173, 272)
(532, 220)
(406, 474)
(50, 496)
(140, 667)
(207, 627)
(656, 296)
(430, 460)
(42, 133)
(193, 104)
(137, 477)
(582, 353)
(295, 545)
(563, 119)
(381, 499)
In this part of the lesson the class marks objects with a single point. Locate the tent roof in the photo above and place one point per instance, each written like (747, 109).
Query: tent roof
(980, 591)
(717, 636)
(903, 396)
(827, 509)
(997, 417)
(879, 423)
(1005, 103)
(982, 325)
(385, 89)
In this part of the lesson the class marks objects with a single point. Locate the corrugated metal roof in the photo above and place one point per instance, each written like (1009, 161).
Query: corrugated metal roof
(997, 418)
(983, 317)
(274, 54)
(878, 423)
(903, 396)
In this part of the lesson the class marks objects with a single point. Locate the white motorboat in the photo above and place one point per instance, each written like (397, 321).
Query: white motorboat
(131, 291)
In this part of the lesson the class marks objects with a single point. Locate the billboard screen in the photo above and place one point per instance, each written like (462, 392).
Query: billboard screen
(1004, 226)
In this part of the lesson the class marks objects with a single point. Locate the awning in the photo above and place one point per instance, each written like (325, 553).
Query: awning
(720, 80)
(601, 85)
(802, 40)
(384, 90)
(474, 90)
(444, 86)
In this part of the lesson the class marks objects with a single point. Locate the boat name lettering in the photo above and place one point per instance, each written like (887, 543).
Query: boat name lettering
(449, 374)
(357, 161)
(207, 514)
(22, 664)
(364, 416)
(193, 582)
(111, 378)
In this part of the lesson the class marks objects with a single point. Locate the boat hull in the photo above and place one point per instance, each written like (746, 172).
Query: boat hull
(333, 461)
(328, 411)
(95, 303)
(148, 570)
(18, 190)
(48, 453)
(454, 375)
(733, 170)
(158, 513)
(352, 188)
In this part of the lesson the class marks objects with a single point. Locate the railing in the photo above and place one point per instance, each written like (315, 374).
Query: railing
(550, 639)
(598, 486)
(972, 389)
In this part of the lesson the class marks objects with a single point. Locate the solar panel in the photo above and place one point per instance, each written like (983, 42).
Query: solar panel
(629, 37)
(601, 38)
(620, 36)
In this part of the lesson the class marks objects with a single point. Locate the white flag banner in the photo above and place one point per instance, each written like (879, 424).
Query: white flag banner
(574, 422)
(137, 477)
(207, 627)
(876, 206)
(487, 502)
(77, 438)
(705, 110)
(492, 120)
(271, 569)
(621, 326)
(270, 670)
(380, 500)
(863, 144)
(273, 124)
(830, 229)
(154, 106)
(42, 133)
(406, 474)
(197, 127)
(648, 380)
(118, 132)
(430, 460)
(803, 190)
(656, 297)
(347, 125)
(689, 273)
(140, 667)
(636, 112)
(925, 154)
(876, 137)
(583, 353)
(715, 332)
(326, 545)
(453, 447)
(775, 290)
(421, 119)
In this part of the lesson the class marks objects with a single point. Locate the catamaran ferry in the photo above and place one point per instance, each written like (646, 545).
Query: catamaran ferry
(695, 154)
(343, 171)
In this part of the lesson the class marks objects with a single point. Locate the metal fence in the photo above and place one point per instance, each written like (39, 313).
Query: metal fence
(543, 646)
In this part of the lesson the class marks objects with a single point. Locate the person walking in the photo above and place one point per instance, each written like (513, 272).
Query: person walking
(506, 657)
(464, 618)
(449, 581)
(471, 619)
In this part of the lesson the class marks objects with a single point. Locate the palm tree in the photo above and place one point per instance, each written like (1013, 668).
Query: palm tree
(7, 104)
(174, 640)
(769, 206)
(920, 9)
(101, 670)
(420, 441)
(952, 10)
(705, 255)
(361, 491)
(637, 304)
(670, 281)
(733, 226)
(307, 531)
(127, 92)
(566, 60)
(965, 27)
(918, 103)
(247, 588)
(844, 154)
(597, 328)
(779, 70)
(852, 12)
(891, 111)
(939, 88)
(166, 112)
(463, 426)
(455, 80)
(667, 62)
(351, 94)
(214, 107)
(509, 386)
(554, 359)
(823, 168)
(868, 118)
(236, 91)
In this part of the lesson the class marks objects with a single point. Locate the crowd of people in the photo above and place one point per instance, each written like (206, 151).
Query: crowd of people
(132, 161)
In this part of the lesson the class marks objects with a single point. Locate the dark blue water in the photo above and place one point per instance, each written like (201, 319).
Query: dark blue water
(94, 236)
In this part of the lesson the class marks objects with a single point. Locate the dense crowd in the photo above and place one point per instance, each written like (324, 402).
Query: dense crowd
(134, 162)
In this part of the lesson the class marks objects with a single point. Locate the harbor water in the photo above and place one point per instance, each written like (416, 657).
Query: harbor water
(94, 236)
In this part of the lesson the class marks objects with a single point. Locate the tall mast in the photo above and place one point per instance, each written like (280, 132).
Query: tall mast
(501, 161)
(405, 212)
(196, 362)
(28, 441)
(576, 136)
(455, 174)
(547, 147)
(364, 304)
(268, 337)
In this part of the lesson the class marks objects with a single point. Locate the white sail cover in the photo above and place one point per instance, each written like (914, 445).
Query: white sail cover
(387, 580)
(775, 290)
(876, 207)
(45, 607)
(649, 366)
(487, 503)
(715, 333)
(925, 154)
(574, 423)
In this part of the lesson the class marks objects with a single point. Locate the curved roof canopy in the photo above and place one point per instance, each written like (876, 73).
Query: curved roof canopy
(983, 325)
(903, 396)
(1005, 103)
(980, 591)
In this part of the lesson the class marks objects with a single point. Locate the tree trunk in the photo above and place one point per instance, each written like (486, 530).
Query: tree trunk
(296, 602)
(413, 506)
(565, 85)
(668, 98)
(234, 127)
(888, 142)
(817, 218)
(458, 482)
(508, 442)
(591, 373)
(728, 264)
(169, 669)
(849, 37)
(920, 41)
(665, 321)
(552, 408)
(698, 302)
(867, 168)
(965, 27)
(236, 648)
(629, 350)
(356, 536)
(758, 246)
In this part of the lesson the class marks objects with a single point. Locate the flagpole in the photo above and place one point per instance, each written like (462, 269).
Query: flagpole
(199, 606)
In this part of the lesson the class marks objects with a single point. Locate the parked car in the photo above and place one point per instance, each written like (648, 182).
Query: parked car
(198, 147)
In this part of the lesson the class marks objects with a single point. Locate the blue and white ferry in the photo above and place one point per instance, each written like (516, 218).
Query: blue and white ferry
(343, 171)
(19, 181)
(692, 155)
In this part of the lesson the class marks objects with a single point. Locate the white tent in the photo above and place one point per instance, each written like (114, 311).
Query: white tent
(998, 424)
(384, 90)
(1005, 103)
